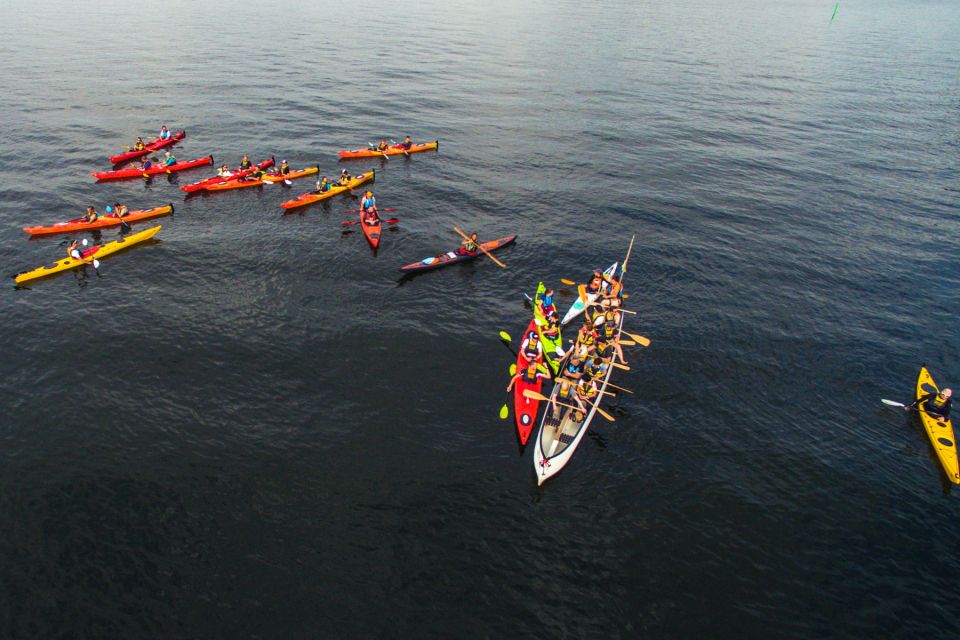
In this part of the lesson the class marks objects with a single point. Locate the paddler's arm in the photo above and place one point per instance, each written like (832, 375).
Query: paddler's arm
(513, 380)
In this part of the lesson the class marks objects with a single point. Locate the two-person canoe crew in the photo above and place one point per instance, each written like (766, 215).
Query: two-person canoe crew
(368, 209)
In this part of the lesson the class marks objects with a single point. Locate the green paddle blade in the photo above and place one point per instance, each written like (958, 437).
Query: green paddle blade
(513, 369)
(505, 336)
(504, 412)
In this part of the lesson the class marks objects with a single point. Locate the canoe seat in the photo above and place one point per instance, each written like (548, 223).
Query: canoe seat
(566, 438)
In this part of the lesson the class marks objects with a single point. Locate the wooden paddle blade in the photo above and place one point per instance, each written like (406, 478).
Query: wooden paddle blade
(628, 343)
(566, 281)
(533, 395)
(640, 339)
(605, 414)
(620, 366)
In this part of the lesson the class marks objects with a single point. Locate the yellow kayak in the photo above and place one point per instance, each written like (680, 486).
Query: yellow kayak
(939, 431)
(97, 251)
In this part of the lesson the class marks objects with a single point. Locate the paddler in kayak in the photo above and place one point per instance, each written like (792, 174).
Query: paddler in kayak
(613, 296)
(611, 322)
(368, 208)
(284, 168)
(169, 159)
(935, 404)
(469, 247)
(546, 304)
(255, 176)
(76, 248)
(532, 348)
(406, 144)
(164, 133)
(530, 374)
(586, 338)
(383, 146)
(567, 395)
(91, 215)
(245, 163)
(224, 171)
(344, 179)
(323, 185)
(146, 164)
(118, 210)
(139, 145)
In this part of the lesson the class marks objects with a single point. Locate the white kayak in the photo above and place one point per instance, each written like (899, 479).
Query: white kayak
(578, 306)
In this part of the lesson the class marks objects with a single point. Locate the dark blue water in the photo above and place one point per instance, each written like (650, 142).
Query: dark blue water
(249, 430)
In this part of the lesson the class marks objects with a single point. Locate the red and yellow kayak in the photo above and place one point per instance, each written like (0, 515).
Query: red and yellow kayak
(150, 147)
(97, 251)
(313, 196)
(157, 169)
(103, 221)
(239, 173)
(395, 150)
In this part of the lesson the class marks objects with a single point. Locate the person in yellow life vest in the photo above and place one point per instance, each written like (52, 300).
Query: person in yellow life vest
(383, 146)
(566, 395)
(587, 391)
(586, 338)
(936, 404)
(611, 322)
(284, 168)
(323, 185)
(224, 171)
(138, 145)
(530, 374)
(469, 247)
(596, 368)
(245, 163)
(344, 179)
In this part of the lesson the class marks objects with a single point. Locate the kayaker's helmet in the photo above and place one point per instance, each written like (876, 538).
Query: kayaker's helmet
(946, 393)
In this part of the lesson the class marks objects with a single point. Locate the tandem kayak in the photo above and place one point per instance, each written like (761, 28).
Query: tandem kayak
(314, 196)
(524, 408)
(452, 257)
(578, 306)
(157, 169)
(371, 231)
(939, 431)
(395, 150)
(239, 173)
(280, 177)
(97, 251)
(150, 147)
(109, 220)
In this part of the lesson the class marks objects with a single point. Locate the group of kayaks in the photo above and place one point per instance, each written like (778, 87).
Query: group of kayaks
(247, 176)
(542, 358)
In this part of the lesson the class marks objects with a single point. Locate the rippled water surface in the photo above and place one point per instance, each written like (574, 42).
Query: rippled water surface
(249, 429)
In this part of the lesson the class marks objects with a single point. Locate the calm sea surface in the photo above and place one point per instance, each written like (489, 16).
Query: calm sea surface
(249, 429)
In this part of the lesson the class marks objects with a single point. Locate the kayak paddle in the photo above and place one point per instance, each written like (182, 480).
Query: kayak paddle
(640, 339)
(358, 210)
(504, 412)
(505, 336)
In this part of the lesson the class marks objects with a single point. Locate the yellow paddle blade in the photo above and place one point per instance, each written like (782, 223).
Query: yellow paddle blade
(620, 366)
(505, 336)
(566, 281)
(628, 343)
(504, 412)
(513, 369)
(641, 340)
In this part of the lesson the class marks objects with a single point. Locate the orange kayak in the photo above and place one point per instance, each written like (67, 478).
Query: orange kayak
(313, 196)
(109, 220)
(235, 183)
(280, 177)
(395, 150)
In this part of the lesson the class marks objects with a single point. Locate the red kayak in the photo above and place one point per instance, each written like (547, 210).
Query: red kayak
(371, 231)
(156, 145)
(453, 257)
(134, 172)
(525, 409)
(239, 173)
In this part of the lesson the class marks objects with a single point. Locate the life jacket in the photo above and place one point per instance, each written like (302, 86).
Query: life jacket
(605, 352)
(366, 203)
(324, 186)
(586, 336)
(595, 284)
(609, 330)
(573, 369)
(245, 164)
(284, 168)
(531, 352)
(527, 378)
(563, 394)
(587, 391)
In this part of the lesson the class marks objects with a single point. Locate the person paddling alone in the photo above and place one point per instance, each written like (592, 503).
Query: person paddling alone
(935, 404)
(469, 247)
